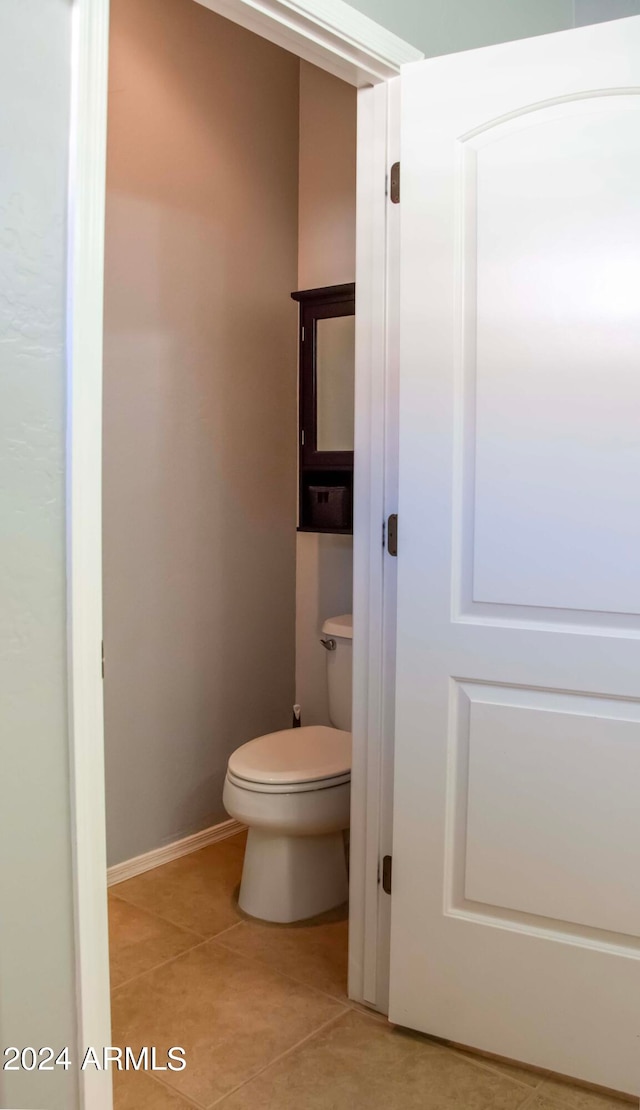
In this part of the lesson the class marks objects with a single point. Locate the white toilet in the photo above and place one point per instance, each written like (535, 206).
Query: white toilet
(292, 789)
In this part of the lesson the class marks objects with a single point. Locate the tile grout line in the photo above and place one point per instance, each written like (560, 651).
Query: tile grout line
(163, 963)
(368, 1012)
(228, 929)
(349, 1006)
(494, 1068)
(178, 1094)
(345, 1009)
(276, 1060)
(467, 1057)
(154, 913)
(552, 1098)
(531, 1098)
(346, 1002)
(198, 942)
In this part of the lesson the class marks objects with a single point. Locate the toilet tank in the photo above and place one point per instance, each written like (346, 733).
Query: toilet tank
(338, 631)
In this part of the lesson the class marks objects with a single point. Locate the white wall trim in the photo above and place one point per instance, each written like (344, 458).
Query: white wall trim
(88, 129)
(329, 33)
(386, 752)
(146, 862)
(368, 552)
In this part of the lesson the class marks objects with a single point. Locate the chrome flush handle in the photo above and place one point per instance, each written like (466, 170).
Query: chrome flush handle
(329, 644)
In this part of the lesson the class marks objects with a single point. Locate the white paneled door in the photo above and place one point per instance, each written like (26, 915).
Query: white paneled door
(516, 860)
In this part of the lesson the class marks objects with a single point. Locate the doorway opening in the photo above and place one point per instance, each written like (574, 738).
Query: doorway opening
(231, 186)
(351, 47)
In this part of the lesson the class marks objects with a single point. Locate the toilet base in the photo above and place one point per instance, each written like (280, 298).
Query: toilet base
(290, 878)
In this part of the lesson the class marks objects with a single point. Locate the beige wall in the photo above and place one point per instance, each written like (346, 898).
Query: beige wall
(37, 988)
(327, 204)
(199, 416)
(326, 256)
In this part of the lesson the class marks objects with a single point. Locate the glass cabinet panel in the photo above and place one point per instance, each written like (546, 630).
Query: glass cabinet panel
(335, 361)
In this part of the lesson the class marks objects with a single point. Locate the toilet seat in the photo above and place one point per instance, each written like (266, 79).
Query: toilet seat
(288, 788)
(293, 761)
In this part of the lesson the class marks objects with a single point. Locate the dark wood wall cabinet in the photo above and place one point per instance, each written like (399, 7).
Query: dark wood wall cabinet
(327, 377)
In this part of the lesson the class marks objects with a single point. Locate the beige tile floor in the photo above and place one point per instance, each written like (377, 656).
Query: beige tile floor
(263, 1014)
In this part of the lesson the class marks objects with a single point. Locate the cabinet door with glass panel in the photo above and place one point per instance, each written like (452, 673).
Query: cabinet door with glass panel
(327, 364)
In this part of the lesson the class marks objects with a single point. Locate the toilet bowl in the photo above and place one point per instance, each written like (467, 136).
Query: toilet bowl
(292, 789)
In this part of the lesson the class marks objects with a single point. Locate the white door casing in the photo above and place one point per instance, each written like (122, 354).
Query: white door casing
(516, 884)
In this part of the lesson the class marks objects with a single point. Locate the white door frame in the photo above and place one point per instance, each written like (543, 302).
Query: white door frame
(335, 37)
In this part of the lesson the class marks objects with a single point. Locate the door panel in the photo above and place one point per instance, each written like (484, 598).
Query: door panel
(516, 901)
(554, 224)
(530, 753)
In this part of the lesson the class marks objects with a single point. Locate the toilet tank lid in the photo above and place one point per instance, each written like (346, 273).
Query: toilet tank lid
(339, 626)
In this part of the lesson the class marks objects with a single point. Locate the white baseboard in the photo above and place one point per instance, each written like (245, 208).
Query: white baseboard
(130, 867)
